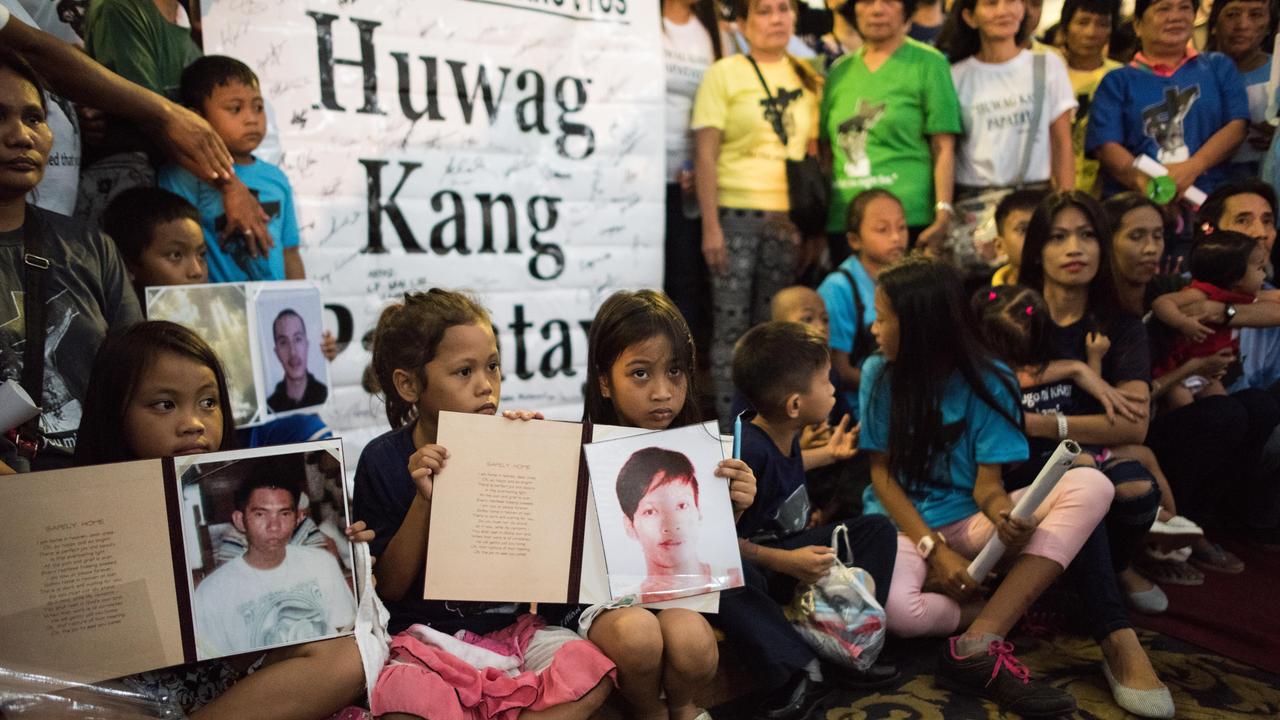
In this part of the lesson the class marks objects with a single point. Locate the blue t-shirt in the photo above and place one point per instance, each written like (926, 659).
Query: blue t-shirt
(778, 479)
(841, 309)
(383, 493)
(986, 438)
(229, 259)
(1167, 118)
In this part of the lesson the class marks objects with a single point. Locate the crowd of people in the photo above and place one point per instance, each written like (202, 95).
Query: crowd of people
(1040, 229)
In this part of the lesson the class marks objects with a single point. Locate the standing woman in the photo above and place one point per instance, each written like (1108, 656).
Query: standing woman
(889, 118)
(1243, 30)
(1083, 34)
(746, 107)
(1012, 137)
(1186, 109)
(691, 42)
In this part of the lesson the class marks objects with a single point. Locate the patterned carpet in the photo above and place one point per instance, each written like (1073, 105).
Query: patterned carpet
(1205, 686)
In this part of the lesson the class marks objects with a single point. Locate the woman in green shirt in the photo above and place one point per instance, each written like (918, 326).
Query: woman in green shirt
(889, 117)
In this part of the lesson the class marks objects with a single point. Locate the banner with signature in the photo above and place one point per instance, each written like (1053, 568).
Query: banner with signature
(512, 148)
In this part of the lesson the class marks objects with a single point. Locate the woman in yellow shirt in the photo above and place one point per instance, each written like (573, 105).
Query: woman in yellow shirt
(752, 113)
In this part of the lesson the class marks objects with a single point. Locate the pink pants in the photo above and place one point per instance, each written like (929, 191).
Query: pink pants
(1066, 518)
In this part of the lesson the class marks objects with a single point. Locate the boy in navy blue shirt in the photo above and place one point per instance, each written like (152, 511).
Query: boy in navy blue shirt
(784, 370)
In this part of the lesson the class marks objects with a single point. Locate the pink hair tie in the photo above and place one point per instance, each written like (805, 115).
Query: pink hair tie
(1030, 310)
(992, 295)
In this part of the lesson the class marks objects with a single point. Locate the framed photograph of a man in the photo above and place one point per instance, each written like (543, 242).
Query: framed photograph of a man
(295, 375)
(666, 520)
(267, 562)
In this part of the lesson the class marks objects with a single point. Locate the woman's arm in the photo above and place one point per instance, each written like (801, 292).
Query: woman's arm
(1255, 314)
(1167, 308)
(1062, 160)
(706, 183)
(1097, 429)
(943, 148)
(1118, 162)
(1217, 148)
(895, 500)
(1208, 366)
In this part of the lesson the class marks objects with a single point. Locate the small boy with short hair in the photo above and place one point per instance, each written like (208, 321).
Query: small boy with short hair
(225, 92)
(159, 238)
(1012, 215)
(784, 370)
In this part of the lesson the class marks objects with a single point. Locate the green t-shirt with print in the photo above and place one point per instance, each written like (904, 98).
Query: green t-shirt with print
(878, 126)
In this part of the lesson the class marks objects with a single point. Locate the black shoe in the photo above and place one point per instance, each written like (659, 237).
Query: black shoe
(878, 676)
(793, 700)
(999, 676)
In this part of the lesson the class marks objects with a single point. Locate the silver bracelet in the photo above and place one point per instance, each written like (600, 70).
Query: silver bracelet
(1062, 425)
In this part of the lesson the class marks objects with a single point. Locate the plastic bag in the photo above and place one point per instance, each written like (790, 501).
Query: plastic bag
(26, 695)
(839, 616)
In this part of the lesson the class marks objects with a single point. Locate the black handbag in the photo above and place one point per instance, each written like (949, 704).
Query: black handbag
(807, 188)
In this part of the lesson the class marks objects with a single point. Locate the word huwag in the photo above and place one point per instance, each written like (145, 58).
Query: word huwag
(479, 92)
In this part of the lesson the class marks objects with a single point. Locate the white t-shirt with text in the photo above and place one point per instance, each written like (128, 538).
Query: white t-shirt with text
(688, 53)
(996, 104)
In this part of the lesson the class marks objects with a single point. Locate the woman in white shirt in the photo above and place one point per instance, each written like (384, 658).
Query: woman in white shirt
(1016, 106)
(691, 42)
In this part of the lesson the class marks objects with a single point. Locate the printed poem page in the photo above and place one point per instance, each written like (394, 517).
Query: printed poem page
(502, 512)
(88, 591)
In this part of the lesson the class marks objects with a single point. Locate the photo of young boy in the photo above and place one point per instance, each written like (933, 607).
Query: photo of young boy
(670, 532)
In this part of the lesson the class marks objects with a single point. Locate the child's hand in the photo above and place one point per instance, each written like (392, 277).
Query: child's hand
(813, 437)
(1215, 366)
(522, 415)
(810, 564)
(424, 464)
(358, 532)
(328, 346)
(742, 482)
(1128, 405)
(1194, 329)
(1014, 532)
(844, 440)
(1096, 345)
(953, 572)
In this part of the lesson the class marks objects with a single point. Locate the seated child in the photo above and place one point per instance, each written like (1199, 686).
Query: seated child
(1227, 267)
(157, 389)
(877, 228)
(436, 351)
(225, 92)
(159, 238)
(658, 491)
(940, 421)
(1012, 215)
(784, 369)
(835, 490)
(161, 242)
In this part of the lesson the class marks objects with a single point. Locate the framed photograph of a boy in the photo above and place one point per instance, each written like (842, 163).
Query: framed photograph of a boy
(295, 375)
(666, 520)
(267, 562)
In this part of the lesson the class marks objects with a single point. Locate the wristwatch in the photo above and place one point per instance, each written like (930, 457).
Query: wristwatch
(926, 544)
(1228, 313)
(944, 206)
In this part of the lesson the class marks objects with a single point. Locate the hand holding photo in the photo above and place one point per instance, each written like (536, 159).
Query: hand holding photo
(665, 518)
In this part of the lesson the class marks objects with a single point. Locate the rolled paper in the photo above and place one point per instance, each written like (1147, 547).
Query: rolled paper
(1147, 165)
(1059, 463)
(16, 406)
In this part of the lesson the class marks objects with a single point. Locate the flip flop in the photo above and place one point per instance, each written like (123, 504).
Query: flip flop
(1171, 573)
(1216, 559)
